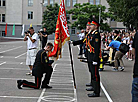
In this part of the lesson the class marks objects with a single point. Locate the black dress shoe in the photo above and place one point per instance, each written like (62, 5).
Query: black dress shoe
(93, 95)
(48, 87)
(89, 84)
(19, 83)
(90, 89)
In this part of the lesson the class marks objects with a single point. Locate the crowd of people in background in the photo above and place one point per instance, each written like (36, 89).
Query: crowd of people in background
(118, 36)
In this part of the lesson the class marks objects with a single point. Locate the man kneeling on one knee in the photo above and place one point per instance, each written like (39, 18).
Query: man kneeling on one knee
(42, 65)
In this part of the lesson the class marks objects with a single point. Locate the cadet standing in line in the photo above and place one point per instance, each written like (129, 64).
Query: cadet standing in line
(94, 47)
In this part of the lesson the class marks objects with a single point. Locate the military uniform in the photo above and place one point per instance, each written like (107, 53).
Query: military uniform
(93, 44)
(40, 67)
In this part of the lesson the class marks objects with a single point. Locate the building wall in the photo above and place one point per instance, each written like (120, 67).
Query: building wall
(14, 11)
(37, 12)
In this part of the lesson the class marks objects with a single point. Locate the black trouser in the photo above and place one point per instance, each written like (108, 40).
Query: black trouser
(44, 43)
(48, 74)
(81, 49)
(37, 83)
(95, 77)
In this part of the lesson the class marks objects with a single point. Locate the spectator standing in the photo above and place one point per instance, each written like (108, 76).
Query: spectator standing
(31, 37)
(44, 36)
(81, 36)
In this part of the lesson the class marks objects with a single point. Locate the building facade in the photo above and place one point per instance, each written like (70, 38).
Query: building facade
(19, 12)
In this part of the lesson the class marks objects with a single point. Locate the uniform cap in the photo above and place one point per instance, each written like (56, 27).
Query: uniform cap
(94, 22)
(89, 23)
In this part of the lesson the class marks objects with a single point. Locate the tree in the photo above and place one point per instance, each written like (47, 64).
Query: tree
(82, 12)
(50, 17)
(125, 11)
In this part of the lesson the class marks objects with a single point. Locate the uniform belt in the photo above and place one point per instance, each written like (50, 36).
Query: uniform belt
(32, 48)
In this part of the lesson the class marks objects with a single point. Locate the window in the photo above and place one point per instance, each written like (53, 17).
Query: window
(0, 17)
(73, 30)
(30, 2)
(0, 2)
(74, 2)
(4, 3)
(68, 3)
(52, 2)
(68, 17)
(3, 17)
(45, 2)
(91, 1)
(3, 33)
(97, 2)
(30, 15)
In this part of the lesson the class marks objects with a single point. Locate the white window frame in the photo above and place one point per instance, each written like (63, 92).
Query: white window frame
(30, 2)
(45, 2)
(74, 2)
(4, 18)
(31, 15)
(97, 2)
(91, 2)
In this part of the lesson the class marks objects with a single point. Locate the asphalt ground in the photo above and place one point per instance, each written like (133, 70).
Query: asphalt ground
(115, 86)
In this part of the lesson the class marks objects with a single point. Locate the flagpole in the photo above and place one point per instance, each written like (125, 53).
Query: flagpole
(72, 65)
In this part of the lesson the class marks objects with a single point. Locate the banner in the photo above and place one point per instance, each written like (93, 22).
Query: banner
(22, 30)
(61, 33)
(6, 29)
(13, 31)
(31, 25)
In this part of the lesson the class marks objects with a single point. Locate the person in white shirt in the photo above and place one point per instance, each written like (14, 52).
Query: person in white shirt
(31, 37)
(81, 36)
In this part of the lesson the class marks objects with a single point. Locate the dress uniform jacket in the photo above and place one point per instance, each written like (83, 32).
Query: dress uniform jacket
(93, 44)
(41, 63)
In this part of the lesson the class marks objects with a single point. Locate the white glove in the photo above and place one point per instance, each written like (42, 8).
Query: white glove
(71, 42)
(94, 63)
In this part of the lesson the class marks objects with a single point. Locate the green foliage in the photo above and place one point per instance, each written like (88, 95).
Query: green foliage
(50, 17)
(125, 11)
(82, 12)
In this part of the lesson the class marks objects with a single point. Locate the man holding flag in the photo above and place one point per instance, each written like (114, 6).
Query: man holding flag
(62, 32)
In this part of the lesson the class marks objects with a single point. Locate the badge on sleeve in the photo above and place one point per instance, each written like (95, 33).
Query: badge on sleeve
(96, 32)
(96, 39)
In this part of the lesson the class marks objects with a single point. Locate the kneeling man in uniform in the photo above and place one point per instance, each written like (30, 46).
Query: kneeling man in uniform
(42, 65)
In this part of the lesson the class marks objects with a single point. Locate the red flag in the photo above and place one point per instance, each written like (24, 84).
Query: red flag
(6, 29)
(62, 32)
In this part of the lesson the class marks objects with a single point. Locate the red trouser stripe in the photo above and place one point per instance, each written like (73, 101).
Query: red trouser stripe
(31, 85)
(96, 73)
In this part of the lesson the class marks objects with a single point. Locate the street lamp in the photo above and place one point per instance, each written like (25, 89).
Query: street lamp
(99, 14)
(99, 17)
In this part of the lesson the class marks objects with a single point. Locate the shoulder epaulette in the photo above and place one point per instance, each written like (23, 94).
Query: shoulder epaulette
(96, 32)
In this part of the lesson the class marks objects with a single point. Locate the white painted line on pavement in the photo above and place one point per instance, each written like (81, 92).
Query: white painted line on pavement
(2, 63)
(41, 96)
(75, 91)
(13, 68)
(62, 88)
(14, 79)
(107, 95)
(1, 56)
(59, 93)
(17, 97)
(43, 91)
(10, 49)
(20, 55)
(21, 63)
